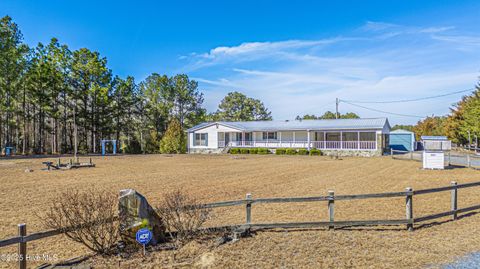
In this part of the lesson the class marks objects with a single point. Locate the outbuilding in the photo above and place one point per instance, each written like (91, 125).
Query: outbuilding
(433, 151)
(437, 143)
(402, 140)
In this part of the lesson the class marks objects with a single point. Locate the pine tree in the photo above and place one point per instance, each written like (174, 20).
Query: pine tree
(174, 140)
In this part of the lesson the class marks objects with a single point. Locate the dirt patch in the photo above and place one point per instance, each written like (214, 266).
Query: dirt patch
(214, 178)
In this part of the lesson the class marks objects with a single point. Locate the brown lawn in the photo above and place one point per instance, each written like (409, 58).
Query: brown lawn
(23, 196)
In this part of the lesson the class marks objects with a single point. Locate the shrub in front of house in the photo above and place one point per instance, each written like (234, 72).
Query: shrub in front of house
(244, 151)
(262, 151)
(253, 151)
(290, 151)
(315, 152)
(280, 151)
(234, 151)
(302, 152)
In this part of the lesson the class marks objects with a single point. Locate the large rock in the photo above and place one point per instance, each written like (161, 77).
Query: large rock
(136, 213)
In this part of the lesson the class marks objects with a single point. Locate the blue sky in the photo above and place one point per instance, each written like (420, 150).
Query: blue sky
(296, 56)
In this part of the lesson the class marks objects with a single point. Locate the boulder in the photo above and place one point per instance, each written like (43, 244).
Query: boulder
(136, 213)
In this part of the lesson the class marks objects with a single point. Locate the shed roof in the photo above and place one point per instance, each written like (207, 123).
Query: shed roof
(333, 124)
(432, 137)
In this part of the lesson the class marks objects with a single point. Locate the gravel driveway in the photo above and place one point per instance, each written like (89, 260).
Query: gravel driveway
(471, 261)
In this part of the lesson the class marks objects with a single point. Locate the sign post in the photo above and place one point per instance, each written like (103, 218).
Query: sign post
(144, 236)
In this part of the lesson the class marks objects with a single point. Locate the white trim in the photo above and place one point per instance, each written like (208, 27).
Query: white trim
(308, 139)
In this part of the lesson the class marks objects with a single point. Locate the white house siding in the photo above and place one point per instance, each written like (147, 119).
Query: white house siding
(212, 133)
(287, 136)
(301, 136)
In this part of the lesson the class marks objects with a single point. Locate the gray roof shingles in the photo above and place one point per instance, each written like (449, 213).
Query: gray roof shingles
(334, 124)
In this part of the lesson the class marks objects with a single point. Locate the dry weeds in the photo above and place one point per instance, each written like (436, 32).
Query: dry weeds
(215, 178)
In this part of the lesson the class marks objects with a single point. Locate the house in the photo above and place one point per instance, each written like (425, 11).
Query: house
(345, 137)
(402, 140)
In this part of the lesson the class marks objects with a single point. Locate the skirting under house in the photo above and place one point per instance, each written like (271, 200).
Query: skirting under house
(342, 137)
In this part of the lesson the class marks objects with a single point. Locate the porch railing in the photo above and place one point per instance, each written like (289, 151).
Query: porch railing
(363, 145)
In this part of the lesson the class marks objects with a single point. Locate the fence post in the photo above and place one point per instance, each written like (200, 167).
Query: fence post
(249, 208)
(22, 247)
(468, 160)
(454, 199)
(409, 208)
(449, 159)
(331, 208)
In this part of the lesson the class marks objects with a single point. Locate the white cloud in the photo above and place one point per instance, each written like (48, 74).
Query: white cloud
(257, 47)
(459, 39)
(436, 29)
(381, 62)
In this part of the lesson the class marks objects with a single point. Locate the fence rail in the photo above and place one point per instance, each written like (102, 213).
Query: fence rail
(331, 223)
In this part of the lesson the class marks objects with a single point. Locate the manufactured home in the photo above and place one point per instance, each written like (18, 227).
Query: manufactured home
(343, 137)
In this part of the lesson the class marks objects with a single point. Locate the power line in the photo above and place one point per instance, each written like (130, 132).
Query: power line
(382, 111)
(408, 100)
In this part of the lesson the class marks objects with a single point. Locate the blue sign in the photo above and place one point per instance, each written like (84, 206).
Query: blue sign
(144, 236)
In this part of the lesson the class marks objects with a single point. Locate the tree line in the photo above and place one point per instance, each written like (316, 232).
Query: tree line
(460, 125)
(328, 116)
(57, 100)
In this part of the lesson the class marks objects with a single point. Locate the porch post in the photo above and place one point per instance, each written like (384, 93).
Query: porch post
(243, 138)
(280, 139)
(308, 139)
(253, 134)
(358, 139)
(293, 140)
(341, 140)
(324, 140)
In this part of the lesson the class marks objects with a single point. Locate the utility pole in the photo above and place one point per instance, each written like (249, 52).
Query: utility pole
(476, 143)
(336, 108)
(469, 141)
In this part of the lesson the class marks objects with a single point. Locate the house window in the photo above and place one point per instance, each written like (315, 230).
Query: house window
(367, 136)
(201, 139)
(319, 136)
(269, 135)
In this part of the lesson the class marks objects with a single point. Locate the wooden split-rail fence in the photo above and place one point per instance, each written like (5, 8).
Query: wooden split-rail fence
(331, 223)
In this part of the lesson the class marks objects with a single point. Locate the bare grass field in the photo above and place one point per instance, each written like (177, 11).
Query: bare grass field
(213, 178)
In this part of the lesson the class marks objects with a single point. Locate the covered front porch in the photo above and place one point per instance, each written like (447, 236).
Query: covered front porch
(326, 140)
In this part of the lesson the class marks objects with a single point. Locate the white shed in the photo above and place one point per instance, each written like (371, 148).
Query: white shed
(433, 160)
(433, 151)
(436, 143)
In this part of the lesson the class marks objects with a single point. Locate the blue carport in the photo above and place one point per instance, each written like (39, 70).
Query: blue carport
(402, 140)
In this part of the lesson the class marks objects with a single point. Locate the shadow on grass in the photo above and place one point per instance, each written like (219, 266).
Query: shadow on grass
(370, 228)
(436, 223)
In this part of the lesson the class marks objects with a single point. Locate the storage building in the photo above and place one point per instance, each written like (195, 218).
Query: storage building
(402, 140)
